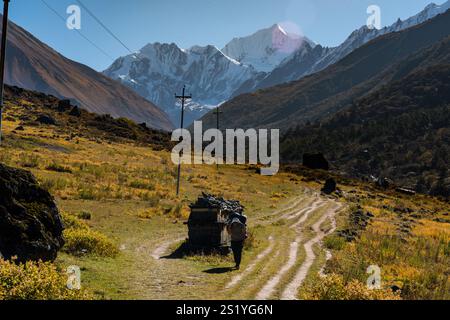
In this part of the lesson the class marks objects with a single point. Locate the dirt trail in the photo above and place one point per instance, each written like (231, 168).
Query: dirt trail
(269, 288)
(297, 214)
(252, 266)
(290, 292)
(267, 291)
(163, 249)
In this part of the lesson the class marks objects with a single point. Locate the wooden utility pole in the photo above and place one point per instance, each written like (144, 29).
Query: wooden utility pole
(3, 59)
(183, 99)
(217, 112)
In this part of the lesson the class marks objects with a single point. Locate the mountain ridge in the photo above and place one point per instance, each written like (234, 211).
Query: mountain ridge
(294, 68)
(33, 65)
(159, 70)
(318, 95)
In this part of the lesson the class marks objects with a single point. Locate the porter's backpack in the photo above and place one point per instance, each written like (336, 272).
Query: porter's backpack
(238, 230)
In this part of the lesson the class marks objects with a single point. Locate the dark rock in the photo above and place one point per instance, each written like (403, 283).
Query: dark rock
(330, 186)
(20, 128)
(64, 105)
(384, 183)
(395, 289)
(30, 224)
(84, 215)
(75, 112)
(315, 161)
(46, 119)
(358, 222)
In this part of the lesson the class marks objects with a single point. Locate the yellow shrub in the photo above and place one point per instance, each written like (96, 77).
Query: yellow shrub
(149, 213)
(333, 287)
(72, 222)
(81, 241)
(36, 281)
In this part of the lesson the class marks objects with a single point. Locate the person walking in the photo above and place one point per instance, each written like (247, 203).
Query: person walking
(237, 228)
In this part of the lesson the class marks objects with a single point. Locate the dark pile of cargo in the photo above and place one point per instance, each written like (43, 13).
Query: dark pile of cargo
(219, 203)
(208, 222)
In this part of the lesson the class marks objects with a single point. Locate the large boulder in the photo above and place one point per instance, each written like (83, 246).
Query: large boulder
(30, 224)
(315, 161)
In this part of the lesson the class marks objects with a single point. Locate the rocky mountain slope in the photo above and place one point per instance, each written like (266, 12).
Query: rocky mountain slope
(33, 65)
(313, 59)
(322, 94)
(158, 71)
(265, 49)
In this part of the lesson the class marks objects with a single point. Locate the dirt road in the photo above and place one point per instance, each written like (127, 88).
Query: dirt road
(279, 268)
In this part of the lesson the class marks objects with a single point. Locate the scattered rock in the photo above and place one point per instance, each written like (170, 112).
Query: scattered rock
(315, 161)
(46, 119)
(75, 112)
(442, 220)
(84, 215)
(384, 183)
(64, 105)
(330, 186)
(358, 222)
(30, 224)
(395, 289)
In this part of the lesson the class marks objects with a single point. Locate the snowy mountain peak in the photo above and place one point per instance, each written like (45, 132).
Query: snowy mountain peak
(158, 70)
(280, 29)
(265, 49)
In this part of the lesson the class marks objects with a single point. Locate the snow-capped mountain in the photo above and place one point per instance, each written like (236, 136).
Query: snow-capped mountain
(267, 58)
(311, 60)
(158, 71)
(265, 49)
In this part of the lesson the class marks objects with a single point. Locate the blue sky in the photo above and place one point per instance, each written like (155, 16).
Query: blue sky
(195, 22)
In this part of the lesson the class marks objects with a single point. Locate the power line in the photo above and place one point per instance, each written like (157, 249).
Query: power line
(79, 32)
(104, 26)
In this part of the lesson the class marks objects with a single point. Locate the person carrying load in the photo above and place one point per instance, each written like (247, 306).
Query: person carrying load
(237, 228)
